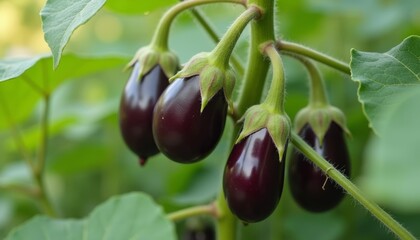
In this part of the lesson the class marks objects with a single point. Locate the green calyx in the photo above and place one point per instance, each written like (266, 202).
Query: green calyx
(319, 119)
(212, 78)
(278, 126)
(148, 57)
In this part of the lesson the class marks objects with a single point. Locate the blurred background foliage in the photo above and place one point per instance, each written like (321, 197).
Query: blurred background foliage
(87, 161)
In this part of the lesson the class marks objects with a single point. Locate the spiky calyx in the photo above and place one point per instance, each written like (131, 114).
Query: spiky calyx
(278, 126)
(212, 78)
(148, 57)
(320, 119)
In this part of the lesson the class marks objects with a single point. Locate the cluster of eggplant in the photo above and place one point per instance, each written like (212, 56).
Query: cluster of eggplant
(158, 117)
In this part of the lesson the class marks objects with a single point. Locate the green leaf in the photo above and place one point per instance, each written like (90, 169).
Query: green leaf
(19, 96)
(130, 216)
(389, 89)
(41, 227)
(392, 169)
(139, 7)
(61, 17)
(11, 68)
(382, 76)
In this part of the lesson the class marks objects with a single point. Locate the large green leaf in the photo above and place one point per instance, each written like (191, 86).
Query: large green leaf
(137, 7)
(390, 93)
(41, 227)
(19, 96)
(393, 165)
(61, 17)
(11, 68)
(382, 76)
(130, 216)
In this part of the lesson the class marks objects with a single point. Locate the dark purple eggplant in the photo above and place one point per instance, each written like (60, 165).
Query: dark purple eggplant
(181, 132)
(253, 177)
(308, 184)
(136, 110)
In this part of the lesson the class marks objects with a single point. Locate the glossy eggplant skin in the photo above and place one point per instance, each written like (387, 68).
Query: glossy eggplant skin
(136, 110)
(307, 181)
(253, 177)
(181, 132)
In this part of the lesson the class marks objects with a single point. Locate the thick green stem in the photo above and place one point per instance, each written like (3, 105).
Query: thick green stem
(160, 38)
(193, 211)
(205, 23)
(221, 53)
(276, 94)
(226, 222)
(317, 96)
(262, 31)
(313, 54)
(350, 188)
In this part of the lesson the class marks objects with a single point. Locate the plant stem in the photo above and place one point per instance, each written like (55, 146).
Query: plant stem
(262, 30)
(226, 222)
(313, 54)
(208, 209)
(160, 38)
(351, 189)
(224, 48)
(42, 154)
(276, 94)
(317, 96)
(205, 23)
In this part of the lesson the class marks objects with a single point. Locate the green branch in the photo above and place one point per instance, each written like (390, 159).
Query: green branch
(160, 38)
(350, 188)
(318, 95)
(313, 54)
(208, 209)
(205, 24)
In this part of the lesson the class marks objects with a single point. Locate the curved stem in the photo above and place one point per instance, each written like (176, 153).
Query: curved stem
(205, 23)
(208, 209)
(160, 38)
(276, 94)
(350, 188)
(317, 96)
(313, 54)
(262, 30)
(224, 48)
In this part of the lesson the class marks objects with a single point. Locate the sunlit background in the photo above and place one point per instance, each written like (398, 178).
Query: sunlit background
(87, 161)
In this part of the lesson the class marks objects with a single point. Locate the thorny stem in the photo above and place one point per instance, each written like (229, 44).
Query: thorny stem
(313, 54)
(160, 38)
(205, 23)
(350, 188)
